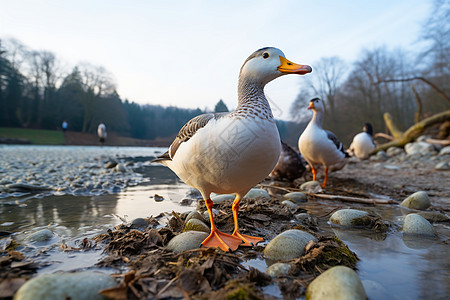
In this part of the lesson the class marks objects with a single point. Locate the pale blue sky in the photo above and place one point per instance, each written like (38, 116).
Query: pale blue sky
(188, 53)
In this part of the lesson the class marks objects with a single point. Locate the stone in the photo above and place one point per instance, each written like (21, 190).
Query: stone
(445, 151)
(288, 245)
(421, 148)
(257, 193)
(111, 164)
(296, 197)
(194, 215)
(187, 241)
(120, 168)
(416, 224)
(57, 286)
(337, 283)
(139, 223)
(278, 269)
(40, 236)
(312, 187)
(196, 225)
(350, 217)
(394, 151)
(432, 216)
(418, 200)
(223, 197)
(442, 166)
(290, 204)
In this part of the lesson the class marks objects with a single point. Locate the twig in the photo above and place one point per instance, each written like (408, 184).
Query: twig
(383, 135)
(353, 199)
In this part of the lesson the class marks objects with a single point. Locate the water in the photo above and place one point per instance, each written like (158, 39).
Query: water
(391, 266)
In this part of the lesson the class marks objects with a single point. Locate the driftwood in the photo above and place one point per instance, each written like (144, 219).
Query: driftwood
(402, 138)
(335, 197)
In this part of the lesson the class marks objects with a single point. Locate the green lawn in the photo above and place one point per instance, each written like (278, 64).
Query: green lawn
(36, 136)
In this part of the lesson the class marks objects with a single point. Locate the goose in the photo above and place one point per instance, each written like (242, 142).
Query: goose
(229, 153)
(290, 165)
(319, 146)
(362, 144)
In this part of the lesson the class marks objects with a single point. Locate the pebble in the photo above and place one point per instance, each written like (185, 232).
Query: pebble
(196, 225)
(40, 236)
(445, 151)
(221, 198)
(278, 269)
(57, 286)
(350, 217)
(418, 200)
(432, 216)
(443, 166)
(256, 194)
(290, 204)
(187, 241)
(139, 223)
(416, 224)
(194, 215)
(337, 283)
(288, 245)
(420, 148)
(394, 151)
(296, 197)
(312, 187)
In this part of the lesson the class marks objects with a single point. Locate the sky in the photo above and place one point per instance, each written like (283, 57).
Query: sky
(189, 53)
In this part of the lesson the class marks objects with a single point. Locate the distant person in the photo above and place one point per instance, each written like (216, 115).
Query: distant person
(64, 126)
(101, 131)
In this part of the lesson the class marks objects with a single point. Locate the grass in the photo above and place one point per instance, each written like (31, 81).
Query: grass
(35, 136)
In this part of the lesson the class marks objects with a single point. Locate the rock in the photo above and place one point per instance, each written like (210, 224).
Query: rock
(420, 148)
(278, 269)
(432, 216)
(187, 241)
(350, 217)
(290, 204)
(442, 166)
(296, 197)
(111, 164)
(311, 187)
(418, 200)
(196, 225)
(194, 194)
(445, 151)
(221, 198)
(194, 215)
(120, 168)
(40, 236)
(139, 223)
(158, 198)
(394, 151)
(416, 224)
(338, 283)
(23, 187)
(57, 286)
(288, 245)
(257, 193)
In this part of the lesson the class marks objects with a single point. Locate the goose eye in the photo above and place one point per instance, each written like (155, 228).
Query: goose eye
(265, 55)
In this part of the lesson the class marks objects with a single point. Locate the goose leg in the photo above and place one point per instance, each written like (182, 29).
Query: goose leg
(314, 172)
(248, 240)
(218, 239)
(326, 177)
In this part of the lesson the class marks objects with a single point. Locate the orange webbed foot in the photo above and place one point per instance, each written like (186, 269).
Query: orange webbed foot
(248, 240)
(224, 241)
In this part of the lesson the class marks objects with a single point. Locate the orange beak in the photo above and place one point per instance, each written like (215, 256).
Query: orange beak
(288, 67)
(311, 105)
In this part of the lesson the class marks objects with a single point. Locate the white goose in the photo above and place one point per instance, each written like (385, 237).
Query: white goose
(362, 143)
(319, 146)
(231, 152)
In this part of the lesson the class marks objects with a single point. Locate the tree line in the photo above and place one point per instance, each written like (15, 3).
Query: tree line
(410, 85)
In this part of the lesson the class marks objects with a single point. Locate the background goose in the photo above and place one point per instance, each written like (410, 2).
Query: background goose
(290, 165)
(362, 143)
(319, 146)
(231, 152)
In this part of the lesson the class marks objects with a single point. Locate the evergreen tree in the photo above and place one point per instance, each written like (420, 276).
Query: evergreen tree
(221, 107)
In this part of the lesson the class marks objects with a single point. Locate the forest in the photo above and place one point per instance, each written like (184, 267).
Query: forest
(410, 84)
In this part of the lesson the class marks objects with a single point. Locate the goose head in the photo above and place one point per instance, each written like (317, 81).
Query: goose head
(266, 64)
(316, 105)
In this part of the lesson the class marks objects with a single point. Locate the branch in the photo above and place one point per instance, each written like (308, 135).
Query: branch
(418, 115)
(438, 90)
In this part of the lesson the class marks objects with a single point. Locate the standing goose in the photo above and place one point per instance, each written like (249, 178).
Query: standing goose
(362, 143)
(232, 152)
(319, 146)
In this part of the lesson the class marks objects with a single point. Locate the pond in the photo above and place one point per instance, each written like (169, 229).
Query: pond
(390, 266)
